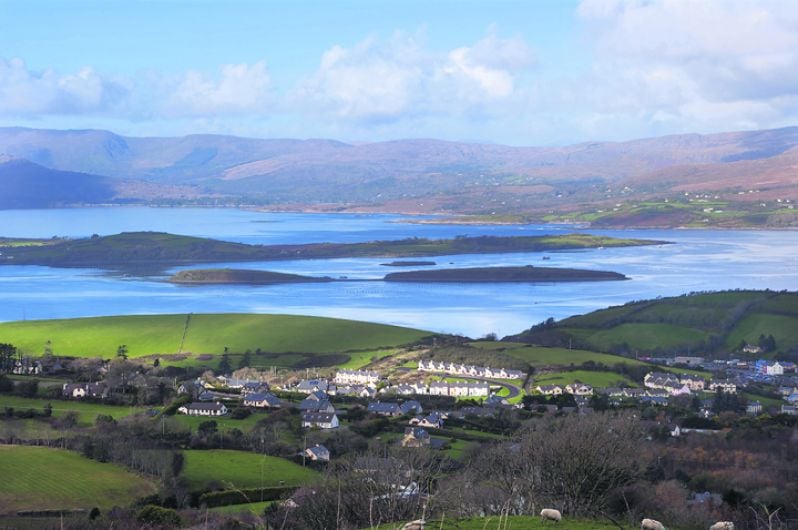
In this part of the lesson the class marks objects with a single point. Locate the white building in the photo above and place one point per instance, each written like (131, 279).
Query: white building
(322, 420)
(203, 409)
(356, 377)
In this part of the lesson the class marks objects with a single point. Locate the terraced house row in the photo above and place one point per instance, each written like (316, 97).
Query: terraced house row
(468, 370)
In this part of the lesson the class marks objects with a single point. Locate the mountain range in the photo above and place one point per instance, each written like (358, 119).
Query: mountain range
(741, 169)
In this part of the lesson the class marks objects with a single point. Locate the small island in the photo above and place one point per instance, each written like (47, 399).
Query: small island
(409, 263)
(241, 276)
(525, 274)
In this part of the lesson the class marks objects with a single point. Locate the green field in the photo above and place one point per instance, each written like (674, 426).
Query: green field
(594, 379)
(253, 507)
(87, 412)
(783, 328)
(641, 336)
(538, 356)
(238, 469)
(39, 478)
(204, 333)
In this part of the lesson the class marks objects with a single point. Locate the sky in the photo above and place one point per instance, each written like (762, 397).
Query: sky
(517, 72)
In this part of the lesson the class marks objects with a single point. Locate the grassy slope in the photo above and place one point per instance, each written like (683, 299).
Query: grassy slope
(38, 478)
(594, 379)
(783, 328)
(87, 412)
(641, 336)
(238, 469)
(207, 333)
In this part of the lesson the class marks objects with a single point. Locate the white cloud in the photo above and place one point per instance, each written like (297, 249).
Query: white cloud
(239, 88)
(698, 65)
(24, 92)
(400, 78)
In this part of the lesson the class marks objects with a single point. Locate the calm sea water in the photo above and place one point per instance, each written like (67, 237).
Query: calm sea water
(697, 261)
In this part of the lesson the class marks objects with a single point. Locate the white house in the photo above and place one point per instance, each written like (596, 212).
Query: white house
(549, 390)
(578, 389)
(81, 390)
(774, 369)
(724, 385)
(695, 383)
(322, 420)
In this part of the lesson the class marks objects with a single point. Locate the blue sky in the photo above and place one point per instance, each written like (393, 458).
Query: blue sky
(516, 72)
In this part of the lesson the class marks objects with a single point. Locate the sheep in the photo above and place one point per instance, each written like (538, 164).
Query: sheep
(722, 525)
(651, 524)
(418, 524)
(551, 515)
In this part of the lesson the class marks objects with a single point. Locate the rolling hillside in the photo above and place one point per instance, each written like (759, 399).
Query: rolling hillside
(711, 323)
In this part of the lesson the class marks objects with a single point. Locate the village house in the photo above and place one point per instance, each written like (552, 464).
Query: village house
(316, 402)
(361, 391)
(264, 401)
(318, 453)
(27, 366)
(459, 389)
(754, 408)
(579, 389)
(203, 409)
(254, 387)
(384, 408)
(431, 421)
(725, 385)
(307, 386)
(356, 377)
(468, 370)
(695, 383)
(662, 380)
(774, 369)
(549, 390)
(415, 437)
(321, 420)
(82, 390)
(790, 410)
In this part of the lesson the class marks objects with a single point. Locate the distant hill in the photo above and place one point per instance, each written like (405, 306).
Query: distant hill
(715, 324)
(425, 175)
(24, 184)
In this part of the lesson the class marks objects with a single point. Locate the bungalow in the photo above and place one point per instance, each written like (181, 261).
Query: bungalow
(790, 410)
(478, 412)
(203, 409)
(27, 366)
(415, 437)
(318, 453)
(495, 401)
(411, 406)
(754, 408)
(81, 390)
(266, 401)
(361, 391)
(356, 377)
(654, 400)
(549, 390)
(322, 420)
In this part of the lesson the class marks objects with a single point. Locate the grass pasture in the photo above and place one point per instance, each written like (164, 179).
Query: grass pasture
(539, 356)
(644, 337)
(238, 469)
(40, 478)
(202, 333)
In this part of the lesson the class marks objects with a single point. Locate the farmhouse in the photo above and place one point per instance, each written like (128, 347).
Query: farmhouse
(318, 453)
(322, 420)
(265, 401)
(203, 409)
(356, 377)
(415, 437)
(81, 390)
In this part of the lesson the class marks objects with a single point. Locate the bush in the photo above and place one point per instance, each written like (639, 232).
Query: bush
(226, 497)
(157, 515)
